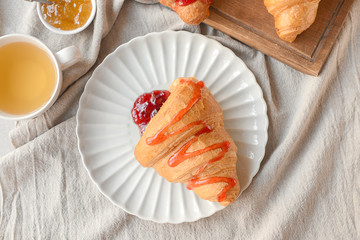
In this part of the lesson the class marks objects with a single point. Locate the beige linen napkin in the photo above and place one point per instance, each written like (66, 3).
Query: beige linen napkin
(307, 186)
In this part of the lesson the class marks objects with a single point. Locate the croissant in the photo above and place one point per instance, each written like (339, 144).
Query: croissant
(186, 142)
(292, 17)
(192, 12)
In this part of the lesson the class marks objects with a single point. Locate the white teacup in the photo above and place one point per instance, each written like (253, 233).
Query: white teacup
(59, 61)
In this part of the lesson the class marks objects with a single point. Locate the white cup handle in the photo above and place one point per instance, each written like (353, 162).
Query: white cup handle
(68, 56)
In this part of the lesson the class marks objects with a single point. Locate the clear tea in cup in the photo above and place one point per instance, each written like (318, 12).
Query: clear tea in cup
(27, 78)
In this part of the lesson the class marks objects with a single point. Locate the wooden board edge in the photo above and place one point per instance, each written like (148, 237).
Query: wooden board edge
(327, 45)
(266, 46)
(228, 26)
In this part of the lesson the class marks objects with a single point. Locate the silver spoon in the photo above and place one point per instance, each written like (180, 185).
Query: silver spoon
(40, 1)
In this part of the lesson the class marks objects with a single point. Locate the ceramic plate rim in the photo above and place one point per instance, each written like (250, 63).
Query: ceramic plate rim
(106, 59)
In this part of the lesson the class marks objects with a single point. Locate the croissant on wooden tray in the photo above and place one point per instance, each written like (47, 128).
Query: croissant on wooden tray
(292, 17)
(186, 142)
(192, 12)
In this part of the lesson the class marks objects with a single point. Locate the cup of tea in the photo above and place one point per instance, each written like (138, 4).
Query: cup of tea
(30, 75)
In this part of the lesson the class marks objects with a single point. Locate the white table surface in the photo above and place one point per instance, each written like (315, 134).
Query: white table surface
(5, 145)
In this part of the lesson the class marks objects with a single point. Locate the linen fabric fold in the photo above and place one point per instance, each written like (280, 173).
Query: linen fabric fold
(307, 186)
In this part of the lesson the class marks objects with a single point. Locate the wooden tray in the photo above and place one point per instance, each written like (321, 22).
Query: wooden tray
(249, 22)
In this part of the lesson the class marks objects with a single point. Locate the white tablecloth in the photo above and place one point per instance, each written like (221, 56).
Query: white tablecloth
(308, 183)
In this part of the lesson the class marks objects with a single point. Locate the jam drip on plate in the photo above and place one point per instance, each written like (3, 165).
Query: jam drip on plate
(182, 154)
(187, 2)
(147, 106)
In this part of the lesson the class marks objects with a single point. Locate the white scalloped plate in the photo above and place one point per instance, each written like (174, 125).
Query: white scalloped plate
(107, 136)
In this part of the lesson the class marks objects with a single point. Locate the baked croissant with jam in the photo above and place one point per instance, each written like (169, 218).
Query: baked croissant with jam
(186, 142)
(292, 17)
(192, 12)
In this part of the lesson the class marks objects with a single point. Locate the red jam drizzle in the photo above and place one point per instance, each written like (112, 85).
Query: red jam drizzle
(196, 182)
(187, 2)
(182, 154)
(184, 2)
(147, 106)
(161, 135)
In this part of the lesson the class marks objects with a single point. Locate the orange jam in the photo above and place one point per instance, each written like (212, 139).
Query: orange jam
(67, 14)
